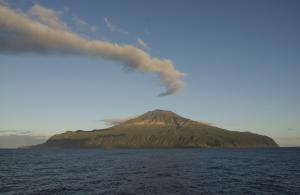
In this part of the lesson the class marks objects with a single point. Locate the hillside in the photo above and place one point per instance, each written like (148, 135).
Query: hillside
(158, 129)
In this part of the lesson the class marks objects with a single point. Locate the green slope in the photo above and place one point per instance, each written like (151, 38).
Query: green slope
(158, 129)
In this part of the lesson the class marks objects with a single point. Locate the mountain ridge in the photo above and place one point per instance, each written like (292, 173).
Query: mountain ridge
(158, 129)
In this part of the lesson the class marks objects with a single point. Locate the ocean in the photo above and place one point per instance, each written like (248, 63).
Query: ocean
(150, 171)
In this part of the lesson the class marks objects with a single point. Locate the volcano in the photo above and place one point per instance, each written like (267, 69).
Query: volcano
(158, 129)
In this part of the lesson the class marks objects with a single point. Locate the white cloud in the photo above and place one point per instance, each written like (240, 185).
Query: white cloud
(113, 28)
(47, 16)
(93, 28)
(23, 34)
(14, 132)
(116, 121)
(83, 24)
(78, 21)
(143, 43)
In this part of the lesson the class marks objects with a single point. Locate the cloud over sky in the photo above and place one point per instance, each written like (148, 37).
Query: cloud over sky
(112, 27)
(40, 31)
(83, 24)
(142, 43)
(14, 132)
(46, 16)
(115, 121)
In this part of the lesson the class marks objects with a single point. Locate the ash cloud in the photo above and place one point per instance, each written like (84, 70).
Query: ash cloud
(20, 33)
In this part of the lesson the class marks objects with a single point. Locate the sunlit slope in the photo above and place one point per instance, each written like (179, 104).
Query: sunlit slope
(158, 129)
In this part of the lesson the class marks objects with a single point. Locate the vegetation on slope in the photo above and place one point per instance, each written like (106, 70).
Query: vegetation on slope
(158, 129)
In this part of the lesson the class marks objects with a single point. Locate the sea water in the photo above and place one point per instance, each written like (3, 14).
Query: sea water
(150, 171)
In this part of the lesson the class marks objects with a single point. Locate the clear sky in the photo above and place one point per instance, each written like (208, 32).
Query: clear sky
(241, 60)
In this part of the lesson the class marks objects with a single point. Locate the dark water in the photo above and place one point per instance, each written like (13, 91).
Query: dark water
(163, 171)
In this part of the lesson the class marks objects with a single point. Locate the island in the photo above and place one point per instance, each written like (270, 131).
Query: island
(158, 129)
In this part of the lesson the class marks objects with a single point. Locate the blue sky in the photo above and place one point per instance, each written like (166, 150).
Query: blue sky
(241, 60)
